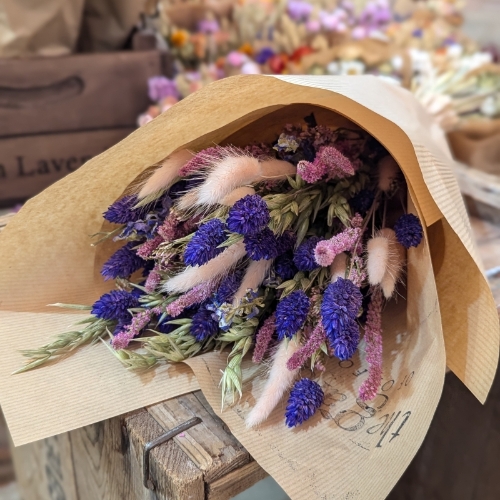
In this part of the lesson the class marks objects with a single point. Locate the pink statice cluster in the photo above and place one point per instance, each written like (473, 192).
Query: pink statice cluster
(329, 163)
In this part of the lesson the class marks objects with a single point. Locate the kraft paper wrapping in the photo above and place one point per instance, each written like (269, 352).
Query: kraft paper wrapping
(355, 450)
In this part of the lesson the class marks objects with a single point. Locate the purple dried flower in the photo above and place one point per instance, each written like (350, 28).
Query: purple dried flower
(202, 160)
(160, 87)
(263, 245)
(204, 245)
(229, 286)
(122, 211)
(204, 325)
(291, 314)
(285, 242)
(304, 255)
(196, 295)
(132, 330)
(299, 10)
(342, 301)
(361, 202)
(409, 231)
(249, 215)
(346, 340)
(115, 305)
(305, 398)
(285, 267)
(123, 263)
(208, 26)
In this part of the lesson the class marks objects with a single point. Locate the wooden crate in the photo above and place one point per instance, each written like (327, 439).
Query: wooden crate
(481, 192)
(104, 460)
(56, 113)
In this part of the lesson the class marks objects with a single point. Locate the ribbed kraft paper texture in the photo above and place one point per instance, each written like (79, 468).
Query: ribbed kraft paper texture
(45, 257)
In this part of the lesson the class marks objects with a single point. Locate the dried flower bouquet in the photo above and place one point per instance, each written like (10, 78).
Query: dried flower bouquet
(287, 250)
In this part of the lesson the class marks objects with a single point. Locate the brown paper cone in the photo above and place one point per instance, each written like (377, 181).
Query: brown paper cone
(357, 451)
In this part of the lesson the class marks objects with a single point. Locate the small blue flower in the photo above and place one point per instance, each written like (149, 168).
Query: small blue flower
(249, 215)
(122, 211)
(263, 245)
(304, 255)
(142, 228)
(263, 55)
(346, 340)
(305, 398)
(204, 325)
(114, 306)
(204, 245)
(123, 263)
(291, 313)
(342, 301)
(409, 231)
(285, 267)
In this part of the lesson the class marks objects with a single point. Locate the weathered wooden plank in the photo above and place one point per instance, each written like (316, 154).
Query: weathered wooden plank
(235, 482)
(45, 470)
(214, 450)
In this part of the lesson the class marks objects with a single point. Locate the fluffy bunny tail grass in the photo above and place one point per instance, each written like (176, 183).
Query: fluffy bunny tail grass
(237, 194)
(338, 267)
(378, 255)
(276, 169)
(388, 170)
(214, 268)
(230, 173)
(279, 381)
(395, 263)
(164, 176)
(254, 276)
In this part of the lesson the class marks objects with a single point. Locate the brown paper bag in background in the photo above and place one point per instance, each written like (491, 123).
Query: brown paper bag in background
(52, 27)
(350, 450)
(39, 28)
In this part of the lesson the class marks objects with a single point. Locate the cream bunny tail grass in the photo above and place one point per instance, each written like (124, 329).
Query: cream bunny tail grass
(338, 267)
(165, 175)
(276, 170)
(237, 194)
(378, 255)
(218, 266)
(395, 263)
(254, 276)
(279, 381)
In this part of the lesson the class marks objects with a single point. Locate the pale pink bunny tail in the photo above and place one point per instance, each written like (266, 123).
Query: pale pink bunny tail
(218, 266)
(279, 381)
(254, 276)
(165, 175)
(378, 256)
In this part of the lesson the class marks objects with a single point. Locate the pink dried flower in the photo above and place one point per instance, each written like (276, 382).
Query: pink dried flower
(168, 230)
(329, 162)
(373, 339)
(326, 250)
(148, 247)
(264, 336)
(153, 280)
(357, 273)
(313, 343)
(139, 322)
(196, 295)
(200, 161)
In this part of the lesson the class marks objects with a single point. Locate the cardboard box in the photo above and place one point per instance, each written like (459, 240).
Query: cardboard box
(56, 113)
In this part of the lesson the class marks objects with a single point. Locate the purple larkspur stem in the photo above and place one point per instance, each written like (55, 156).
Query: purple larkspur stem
(264, 336)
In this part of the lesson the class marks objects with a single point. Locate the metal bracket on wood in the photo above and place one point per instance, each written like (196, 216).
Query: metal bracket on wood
(148, 483)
